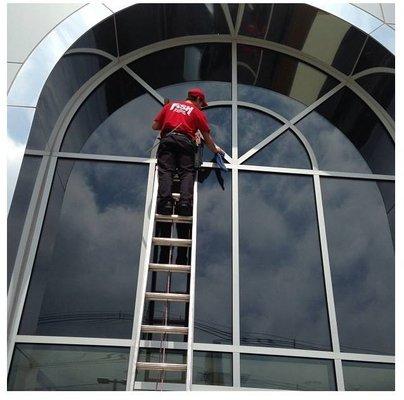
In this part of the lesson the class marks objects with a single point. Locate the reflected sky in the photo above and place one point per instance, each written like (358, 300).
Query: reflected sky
(220, 124)
(213, 290)
(270, 99)
(85, 272)
(58, 367)
(362, 265)
(282, 298)
(286, 373)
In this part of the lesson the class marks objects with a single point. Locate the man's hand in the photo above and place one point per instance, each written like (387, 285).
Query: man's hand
(219, 150)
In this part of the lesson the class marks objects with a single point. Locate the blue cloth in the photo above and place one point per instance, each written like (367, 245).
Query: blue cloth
(219, 160)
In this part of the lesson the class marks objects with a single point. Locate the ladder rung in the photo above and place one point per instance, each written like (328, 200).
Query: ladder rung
(161, 366)
(176, 196)
(169, 267)
(182, 330)
(174, 218)
(167, 296)
(160, 241)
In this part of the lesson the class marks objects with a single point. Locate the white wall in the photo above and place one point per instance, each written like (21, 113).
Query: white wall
(27, 25)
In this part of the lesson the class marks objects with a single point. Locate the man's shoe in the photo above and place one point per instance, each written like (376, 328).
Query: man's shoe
(185, 209)
(165, 207)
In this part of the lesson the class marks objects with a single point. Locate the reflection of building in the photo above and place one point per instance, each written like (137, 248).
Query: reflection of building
(295, 263)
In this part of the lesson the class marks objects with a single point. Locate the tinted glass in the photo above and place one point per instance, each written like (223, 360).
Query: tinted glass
(387, 190)
(211, 368)
(286, 373)
(285, 151)
(362, 265)
(213, 287)
(154, 355)
(202, 65)
(253, 127)
(220, 124)
(101, 37)
(374, 55)
(144, 24)
(115, 119)
(282, 74)
(282, 299)
(69, 74)
(270, 99)
(85, 271)
(19, 207)
(381, 87)
(368, 376)
(233, 8)
(57, 367)
(360, 125)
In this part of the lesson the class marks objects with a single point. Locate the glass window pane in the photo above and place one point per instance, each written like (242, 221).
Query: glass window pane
(101, 37)
(233, 8)
(19, 208)
(286, 373)
(362, 264)
(282, 298)
(60, 367)
(382, 88)
(368, 376)
(374, 55)
(270, 99)
(85, 272)
(154, 355)
(212, 368)
(253, 127)
(213, 287)
(350, 116)
(207, 66)
(282, 74)
(143, 24)
(220, 124)
(69, 74)
(285, 151)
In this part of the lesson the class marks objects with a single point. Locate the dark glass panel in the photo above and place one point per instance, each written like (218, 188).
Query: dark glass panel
(360, 125)
(233, 8)
(213, 290)
(382, 88)
(280, 73)
(374, 55)
(317, 33)
(144, 24)
(256, 19)
(282, 297)
(387, 190)
(368, 376)
(19, 208)
(253, 127)
(285, 151)
(85, 271)
(211, 368)
(115, 119)
(59, 367)
(154, 355)
(220, 124)
(101, 37)
(286, 373)
(207, 66)
(362, 264)
(69, 74)
(274, 101)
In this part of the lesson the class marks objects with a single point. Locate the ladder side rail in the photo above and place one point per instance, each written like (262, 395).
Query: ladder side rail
(145, 276)
(192, 288)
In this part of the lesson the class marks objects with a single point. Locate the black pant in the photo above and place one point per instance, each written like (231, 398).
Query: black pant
(176, 151)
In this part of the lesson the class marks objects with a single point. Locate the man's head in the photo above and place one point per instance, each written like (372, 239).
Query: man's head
(197, 96)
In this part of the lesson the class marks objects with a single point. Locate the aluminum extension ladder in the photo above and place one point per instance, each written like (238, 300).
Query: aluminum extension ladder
(164, 329)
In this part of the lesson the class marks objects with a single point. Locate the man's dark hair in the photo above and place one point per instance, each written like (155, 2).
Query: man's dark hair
(192, 98)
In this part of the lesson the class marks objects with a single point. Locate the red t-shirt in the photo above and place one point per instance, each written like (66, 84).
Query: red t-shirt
(183, 117)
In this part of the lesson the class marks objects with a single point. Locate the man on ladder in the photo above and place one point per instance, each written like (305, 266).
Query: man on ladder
(179, 122)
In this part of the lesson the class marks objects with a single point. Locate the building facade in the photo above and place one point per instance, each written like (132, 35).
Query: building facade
(295, 246)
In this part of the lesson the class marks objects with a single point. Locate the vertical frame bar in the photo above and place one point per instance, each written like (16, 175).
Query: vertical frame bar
(192, 289)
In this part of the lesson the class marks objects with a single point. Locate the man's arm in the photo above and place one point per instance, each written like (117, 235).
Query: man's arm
(156, 126)
(211, 144)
